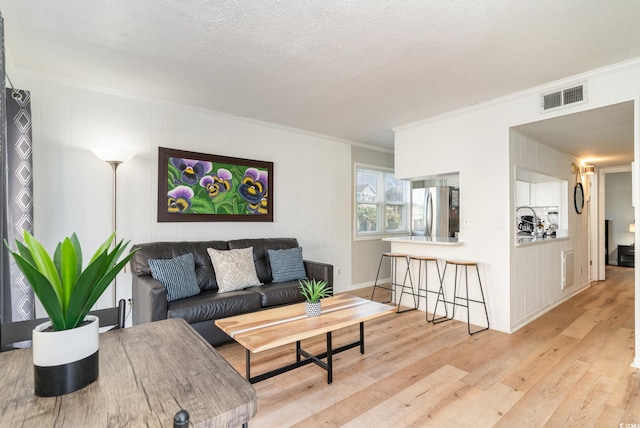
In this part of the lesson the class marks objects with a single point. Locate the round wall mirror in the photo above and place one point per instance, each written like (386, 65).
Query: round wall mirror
(578, 198)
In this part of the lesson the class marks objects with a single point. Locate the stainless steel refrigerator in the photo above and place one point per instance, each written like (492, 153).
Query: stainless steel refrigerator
(435, 211)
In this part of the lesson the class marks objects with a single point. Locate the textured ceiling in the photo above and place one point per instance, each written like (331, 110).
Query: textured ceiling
(351, 69)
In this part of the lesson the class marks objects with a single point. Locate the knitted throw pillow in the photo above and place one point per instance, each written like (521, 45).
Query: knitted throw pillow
(178, 275)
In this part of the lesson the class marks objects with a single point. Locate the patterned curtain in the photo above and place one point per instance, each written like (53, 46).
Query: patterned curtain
(5, 277)
(17, 195)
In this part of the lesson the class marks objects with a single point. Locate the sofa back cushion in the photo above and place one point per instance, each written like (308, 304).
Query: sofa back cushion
(260, 247)
(167, 250)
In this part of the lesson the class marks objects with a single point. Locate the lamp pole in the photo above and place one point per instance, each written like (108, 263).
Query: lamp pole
(114, 156)
(114, 221)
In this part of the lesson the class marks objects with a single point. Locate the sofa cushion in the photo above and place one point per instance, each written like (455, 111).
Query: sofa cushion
(276, 294)
(286, 265)
(178, 275)
(210, 305)
(167, 250)
(235, 269)
(260, 247)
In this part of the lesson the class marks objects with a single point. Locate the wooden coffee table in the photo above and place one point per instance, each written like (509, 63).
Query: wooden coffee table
(260, 331)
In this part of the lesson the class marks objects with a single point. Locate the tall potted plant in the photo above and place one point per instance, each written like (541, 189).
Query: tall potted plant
(65, 349)
(313, 291)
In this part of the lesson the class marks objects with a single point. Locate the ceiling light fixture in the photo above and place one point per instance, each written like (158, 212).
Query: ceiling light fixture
(583, 170)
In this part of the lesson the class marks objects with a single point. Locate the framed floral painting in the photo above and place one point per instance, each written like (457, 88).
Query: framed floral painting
(202, 187)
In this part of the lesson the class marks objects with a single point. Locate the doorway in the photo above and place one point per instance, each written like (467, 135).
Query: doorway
(603, 137)
(606, 137)
(616, 215)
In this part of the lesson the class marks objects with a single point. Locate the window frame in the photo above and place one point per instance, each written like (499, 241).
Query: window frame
(380, 202)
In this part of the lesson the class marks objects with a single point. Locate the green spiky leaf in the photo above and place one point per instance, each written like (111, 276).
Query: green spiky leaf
(66, 291)
(314, 290)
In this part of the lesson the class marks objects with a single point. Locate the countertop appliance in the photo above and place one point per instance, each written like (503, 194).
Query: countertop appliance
(435, 211)
(526, 225)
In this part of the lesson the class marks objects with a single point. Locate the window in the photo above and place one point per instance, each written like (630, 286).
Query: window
(382, 202)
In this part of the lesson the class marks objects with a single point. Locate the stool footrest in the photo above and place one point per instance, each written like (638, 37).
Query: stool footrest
(441, 297)
(393, 286)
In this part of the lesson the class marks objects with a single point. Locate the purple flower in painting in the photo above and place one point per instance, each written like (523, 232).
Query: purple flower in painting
(218, 183)
(191, 170)
(253, 187)
(206, 181)
(179, 199)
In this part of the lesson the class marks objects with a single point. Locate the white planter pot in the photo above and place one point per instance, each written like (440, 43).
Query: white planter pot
(65, 361)
(312, 309)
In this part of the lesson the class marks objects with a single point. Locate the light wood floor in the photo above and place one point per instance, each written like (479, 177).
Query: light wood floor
(567, 368)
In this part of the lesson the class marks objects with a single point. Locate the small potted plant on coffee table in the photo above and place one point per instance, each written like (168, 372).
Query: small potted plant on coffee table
(314, 290)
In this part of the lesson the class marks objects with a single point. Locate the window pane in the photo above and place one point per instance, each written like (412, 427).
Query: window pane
(367, 186)
(396, 218)
(367, 215)
(394, 190)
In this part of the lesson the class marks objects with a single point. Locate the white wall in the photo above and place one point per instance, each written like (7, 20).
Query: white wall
(72, 188)
(475, 141)
(476, 147)
(536, 270)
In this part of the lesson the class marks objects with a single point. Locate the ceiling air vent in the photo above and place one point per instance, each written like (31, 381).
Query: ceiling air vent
(563, 97)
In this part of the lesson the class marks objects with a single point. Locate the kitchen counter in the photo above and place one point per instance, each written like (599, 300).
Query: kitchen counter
(428, 240)
(523, 241)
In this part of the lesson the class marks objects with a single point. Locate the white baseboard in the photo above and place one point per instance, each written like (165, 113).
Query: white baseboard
(362, 285)
(537, 314)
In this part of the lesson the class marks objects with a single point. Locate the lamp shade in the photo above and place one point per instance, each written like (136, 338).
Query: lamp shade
(114, 154)
(632, 227)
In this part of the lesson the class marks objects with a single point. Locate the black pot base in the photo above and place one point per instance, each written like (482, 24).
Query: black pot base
(66, 378)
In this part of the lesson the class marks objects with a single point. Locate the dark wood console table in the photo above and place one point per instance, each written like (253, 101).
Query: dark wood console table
(626, 255)
(147, 374)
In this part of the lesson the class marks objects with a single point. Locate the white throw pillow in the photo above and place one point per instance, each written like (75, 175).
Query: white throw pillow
(234, 269)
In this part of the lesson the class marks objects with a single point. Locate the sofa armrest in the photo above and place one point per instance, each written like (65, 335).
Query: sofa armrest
(149, 299)
(319, 271)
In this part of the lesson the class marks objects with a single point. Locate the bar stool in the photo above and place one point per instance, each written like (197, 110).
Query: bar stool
(465, 265)
(425, 260)
(395, 257)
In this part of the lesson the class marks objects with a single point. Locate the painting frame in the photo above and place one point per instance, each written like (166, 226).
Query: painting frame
(232, 197)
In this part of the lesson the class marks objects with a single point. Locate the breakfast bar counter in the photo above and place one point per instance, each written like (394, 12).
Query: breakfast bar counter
(522, 241)
(424, 240)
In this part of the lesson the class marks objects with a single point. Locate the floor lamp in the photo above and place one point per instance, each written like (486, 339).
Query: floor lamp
(114, 156)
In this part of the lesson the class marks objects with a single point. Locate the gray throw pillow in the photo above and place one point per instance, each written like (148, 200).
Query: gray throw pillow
(178, 275)
(287, 265)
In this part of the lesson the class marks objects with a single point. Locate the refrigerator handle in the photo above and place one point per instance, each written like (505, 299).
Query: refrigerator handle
(429, 214)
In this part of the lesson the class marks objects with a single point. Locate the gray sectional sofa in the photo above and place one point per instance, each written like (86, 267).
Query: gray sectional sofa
(149, 296)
